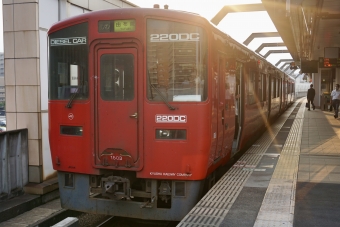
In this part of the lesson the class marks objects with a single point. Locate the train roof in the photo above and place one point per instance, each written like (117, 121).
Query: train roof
(164, 13)
(133, 12)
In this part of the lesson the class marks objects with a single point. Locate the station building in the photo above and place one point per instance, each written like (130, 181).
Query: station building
(26, 23)
(2, 78)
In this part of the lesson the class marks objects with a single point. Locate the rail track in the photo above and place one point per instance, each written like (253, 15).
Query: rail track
(96, 220)
(129, 222)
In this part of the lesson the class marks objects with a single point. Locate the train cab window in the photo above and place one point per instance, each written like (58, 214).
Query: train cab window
(117, 77)
(68, 60)
(176, 62)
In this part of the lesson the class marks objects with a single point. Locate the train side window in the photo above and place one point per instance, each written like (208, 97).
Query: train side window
(251, 88)
(276, 88)
(260, 88)
(273, 91)
(117, 77)
(264, 87)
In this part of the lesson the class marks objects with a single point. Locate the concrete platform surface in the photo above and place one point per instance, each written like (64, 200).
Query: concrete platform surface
(27, 209)
(35, 215)
(290, 177)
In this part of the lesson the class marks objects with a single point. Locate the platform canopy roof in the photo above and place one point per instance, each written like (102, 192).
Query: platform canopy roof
(307, 27)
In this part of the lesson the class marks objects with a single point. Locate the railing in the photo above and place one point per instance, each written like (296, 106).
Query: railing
(13, 163)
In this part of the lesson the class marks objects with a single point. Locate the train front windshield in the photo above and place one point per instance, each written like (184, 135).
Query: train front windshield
(68, 51)
(176, 62)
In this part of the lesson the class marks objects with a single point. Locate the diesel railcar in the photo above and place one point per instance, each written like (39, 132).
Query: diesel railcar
(146, 104)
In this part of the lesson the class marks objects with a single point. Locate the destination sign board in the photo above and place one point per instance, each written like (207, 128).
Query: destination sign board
(116, 26)
(329, 62)
(124, 25)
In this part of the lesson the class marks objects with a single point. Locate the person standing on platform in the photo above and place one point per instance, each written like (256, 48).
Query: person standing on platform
(336, 100)
(310, 97)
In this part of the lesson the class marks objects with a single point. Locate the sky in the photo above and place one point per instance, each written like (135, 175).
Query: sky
(238, 25)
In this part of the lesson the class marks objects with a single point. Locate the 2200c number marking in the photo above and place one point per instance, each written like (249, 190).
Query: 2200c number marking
(171, 118)
(117, 158)
(182, 37)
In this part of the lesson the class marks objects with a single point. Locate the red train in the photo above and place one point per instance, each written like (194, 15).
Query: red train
(146, 104)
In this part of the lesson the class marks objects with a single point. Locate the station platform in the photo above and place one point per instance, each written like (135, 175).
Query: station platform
(38, 204)
(28, 210)
(289, 177)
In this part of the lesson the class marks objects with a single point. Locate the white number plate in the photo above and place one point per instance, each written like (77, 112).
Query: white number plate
(171, 118)
(175, 37)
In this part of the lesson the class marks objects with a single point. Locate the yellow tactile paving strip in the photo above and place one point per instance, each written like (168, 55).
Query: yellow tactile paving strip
(311, 154)
(215, 205)
(277, 208)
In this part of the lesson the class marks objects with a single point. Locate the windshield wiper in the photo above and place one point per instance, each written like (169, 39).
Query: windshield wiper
(69, 104)
(162, 97)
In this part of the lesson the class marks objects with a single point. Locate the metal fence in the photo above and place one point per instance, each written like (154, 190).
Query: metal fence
(14, 162)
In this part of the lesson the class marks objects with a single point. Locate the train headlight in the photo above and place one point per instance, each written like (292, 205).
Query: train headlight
(171, 134)
(164, 133)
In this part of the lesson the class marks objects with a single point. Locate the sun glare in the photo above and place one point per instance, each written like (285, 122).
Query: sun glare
(238, 25)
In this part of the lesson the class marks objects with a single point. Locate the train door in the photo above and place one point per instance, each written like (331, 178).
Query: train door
(284, 92)
(226, 112)
(267, 93)
(229, 109)
(264, 96)
(269, 96)
(280, 89)
(116, 108)
(238, 105)
(220, 91)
